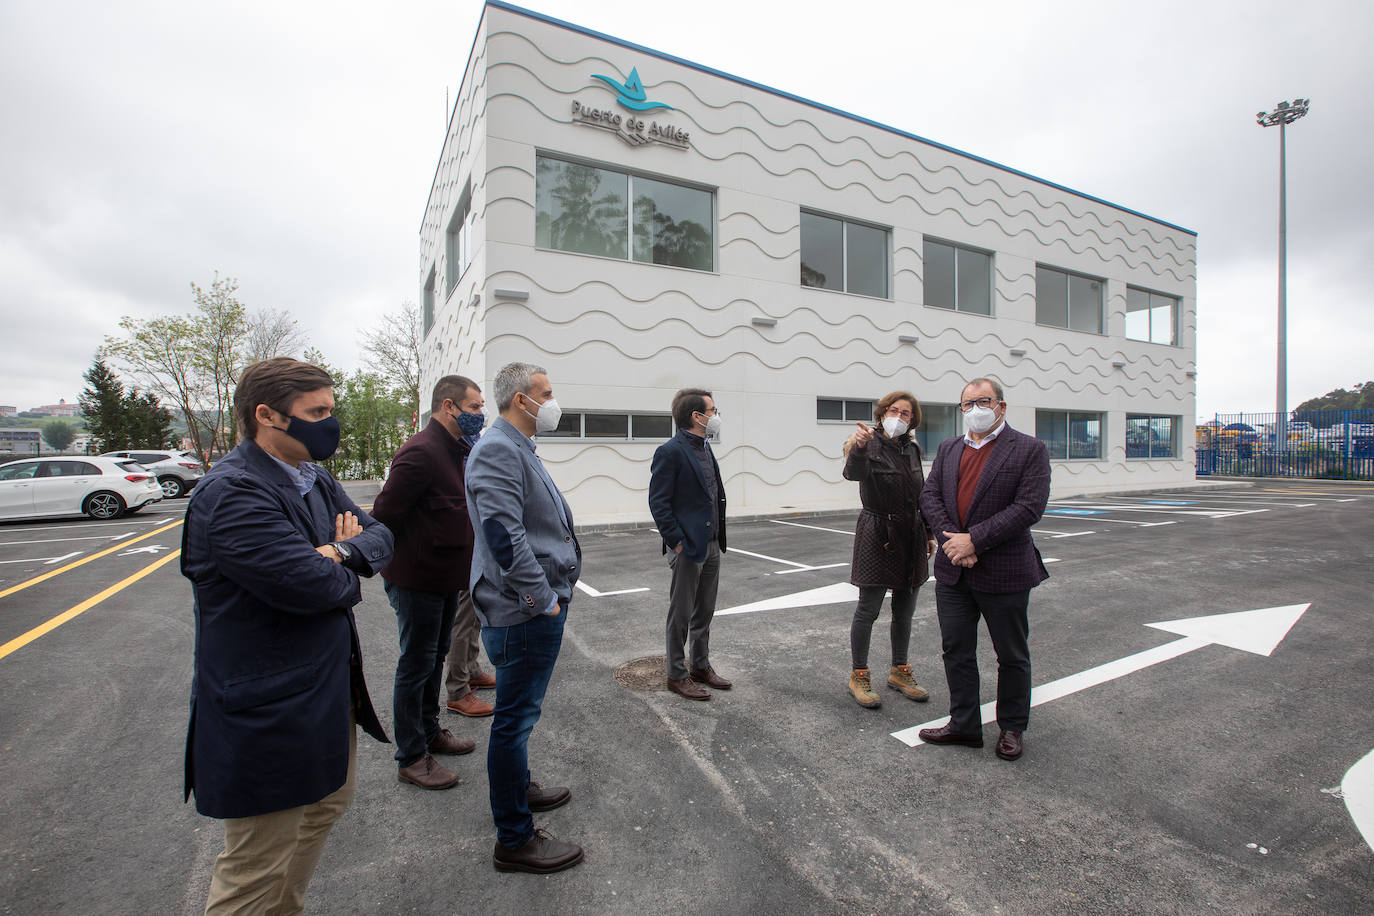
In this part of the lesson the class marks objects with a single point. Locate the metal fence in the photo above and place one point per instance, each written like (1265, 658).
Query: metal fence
(1317, 443)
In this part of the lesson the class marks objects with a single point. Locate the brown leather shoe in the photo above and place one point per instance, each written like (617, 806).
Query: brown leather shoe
(469, 704)
(447, 743)
(542, 799)
(685, 688)
(483, 681)
(709, 677)
(541, 855)
(427, 773)
(1009, 745)
(945, 734)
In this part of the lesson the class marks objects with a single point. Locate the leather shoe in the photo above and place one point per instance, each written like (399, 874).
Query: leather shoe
(946, 734)
(709, 677)
(447, 743)
(542, 799)
(427, 773)
(686, 688)
(1009, 745)
(469, 704)
(541, 855)
(483, 681)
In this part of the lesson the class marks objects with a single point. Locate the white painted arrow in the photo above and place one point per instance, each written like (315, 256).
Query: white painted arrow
(1258, 631)
(1358, 789)
(582, 586)
(839, 593)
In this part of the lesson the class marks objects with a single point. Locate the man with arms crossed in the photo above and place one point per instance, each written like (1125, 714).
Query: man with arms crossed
(422, 503)
(273, 548)
(524, 566)
(687, 499)
(985, 491)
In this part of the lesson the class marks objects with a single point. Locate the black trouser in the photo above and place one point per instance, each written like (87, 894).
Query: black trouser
(959, 608)
(861, 630)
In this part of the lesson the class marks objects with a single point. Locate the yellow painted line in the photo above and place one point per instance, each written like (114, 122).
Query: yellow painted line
(95, 556)
(20, 642)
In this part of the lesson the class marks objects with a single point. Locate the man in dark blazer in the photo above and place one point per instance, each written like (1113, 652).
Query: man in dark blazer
(985, 491)
(423, 504)
(274, 548)
(526, 560)
(687, 499)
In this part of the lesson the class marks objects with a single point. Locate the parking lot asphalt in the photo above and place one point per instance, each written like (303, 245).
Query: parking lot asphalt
(1187, 768)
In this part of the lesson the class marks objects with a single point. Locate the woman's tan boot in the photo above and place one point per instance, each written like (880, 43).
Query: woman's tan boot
(899, 676)
(861, 685)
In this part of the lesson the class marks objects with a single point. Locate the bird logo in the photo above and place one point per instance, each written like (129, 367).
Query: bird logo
(631, 93)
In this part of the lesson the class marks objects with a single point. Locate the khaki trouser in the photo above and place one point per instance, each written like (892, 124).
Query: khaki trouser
(463, 650)
(268, 858)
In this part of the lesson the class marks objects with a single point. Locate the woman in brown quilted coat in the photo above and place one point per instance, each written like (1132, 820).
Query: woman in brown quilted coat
(892, 544)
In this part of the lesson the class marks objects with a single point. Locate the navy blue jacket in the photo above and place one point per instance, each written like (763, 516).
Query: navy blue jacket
(278, 670)
(680, 503)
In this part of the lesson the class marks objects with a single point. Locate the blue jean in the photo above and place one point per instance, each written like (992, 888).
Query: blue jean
(523, 656)
(424, 621)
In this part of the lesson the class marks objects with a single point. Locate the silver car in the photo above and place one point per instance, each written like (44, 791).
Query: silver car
(98, 487)
(177, 472)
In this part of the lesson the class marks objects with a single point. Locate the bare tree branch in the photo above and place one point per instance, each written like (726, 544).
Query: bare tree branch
(272, 333)
(392, 349)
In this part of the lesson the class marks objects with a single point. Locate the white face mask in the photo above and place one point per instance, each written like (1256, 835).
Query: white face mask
(894, 426)
(546, 421)
(980, 419)
(713, 425)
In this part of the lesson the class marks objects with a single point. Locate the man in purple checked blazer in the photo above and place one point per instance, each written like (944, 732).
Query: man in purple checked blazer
(984, 492)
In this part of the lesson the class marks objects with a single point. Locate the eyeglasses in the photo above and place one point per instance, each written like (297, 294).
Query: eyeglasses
(966, 406)
(898, 412)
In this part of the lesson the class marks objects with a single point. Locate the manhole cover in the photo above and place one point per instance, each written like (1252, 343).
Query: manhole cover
(643, 673)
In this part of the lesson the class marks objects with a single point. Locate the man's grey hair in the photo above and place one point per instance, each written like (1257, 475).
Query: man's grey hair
(513, 379)
(996, 388)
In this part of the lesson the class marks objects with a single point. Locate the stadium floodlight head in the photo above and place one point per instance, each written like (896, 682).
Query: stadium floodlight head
(1283, 113)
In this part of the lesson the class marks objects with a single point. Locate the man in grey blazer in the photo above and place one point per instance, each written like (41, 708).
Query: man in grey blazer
(525, 563)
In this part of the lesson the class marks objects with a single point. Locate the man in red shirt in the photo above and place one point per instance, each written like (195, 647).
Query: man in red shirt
(984, 492)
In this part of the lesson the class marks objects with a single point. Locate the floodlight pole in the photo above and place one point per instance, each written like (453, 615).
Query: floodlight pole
(1282, 115)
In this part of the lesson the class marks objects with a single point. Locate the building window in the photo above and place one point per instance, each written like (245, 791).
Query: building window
(457, 245)
(1151, 437)
(957, 278)
(1151, 317)
(938, 423)
(1067, 300)
(844, 256)
(631, 427)
(586, 210)
(839, 410)
(427, 304)
(1069, 434)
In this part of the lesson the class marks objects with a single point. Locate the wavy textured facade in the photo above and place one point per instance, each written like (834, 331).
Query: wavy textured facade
(617, 335)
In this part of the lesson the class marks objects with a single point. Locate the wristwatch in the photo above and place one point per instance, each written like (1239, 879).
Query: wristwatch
(345, 551)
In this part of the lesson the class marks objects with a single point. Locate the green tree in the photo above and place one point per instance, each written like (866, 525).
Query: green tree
(1360, 397)
(392, 349)
(58, 433)
(374, 420)
(191, 360)
(102, 404)
(149, 423)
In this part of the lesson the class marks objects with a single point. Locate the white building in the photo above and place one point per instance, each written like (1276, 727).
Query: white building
(798, 261)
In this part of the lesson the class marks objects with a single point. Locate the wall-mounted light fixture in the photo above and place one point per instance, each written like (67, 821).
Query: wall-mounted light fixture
(1118, 364)
(1017, 351)
(907, 338)
(476, 298)
(518, 295)
(1191, 373)
(764, 322)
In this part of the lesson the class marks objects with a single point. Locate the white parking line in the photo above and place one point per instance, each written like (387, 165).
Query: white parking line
(85, 526)
(1067, 534)
(95, 537)
(596, 594)
(46, 561)
(788, 572)
(813, 527)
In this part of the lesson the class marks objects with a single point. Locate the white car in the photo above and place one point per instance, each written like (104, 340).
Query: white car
(98, 487)
(176, 471)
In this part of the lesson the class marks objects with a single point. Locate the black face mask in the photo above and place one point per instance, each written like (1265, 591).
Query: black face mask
(320, 438)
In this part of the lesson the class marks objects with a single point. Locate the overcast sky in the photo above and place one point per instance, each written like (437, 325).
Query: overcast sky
(291, 145)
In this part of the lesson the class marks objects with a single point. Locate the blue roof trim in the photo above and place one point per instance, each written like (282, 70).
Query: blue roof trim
(573, 27)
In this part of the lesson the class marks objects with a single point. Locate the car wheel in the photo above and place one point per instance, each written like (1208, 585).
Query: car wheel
(104, 505)
(172, 487)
